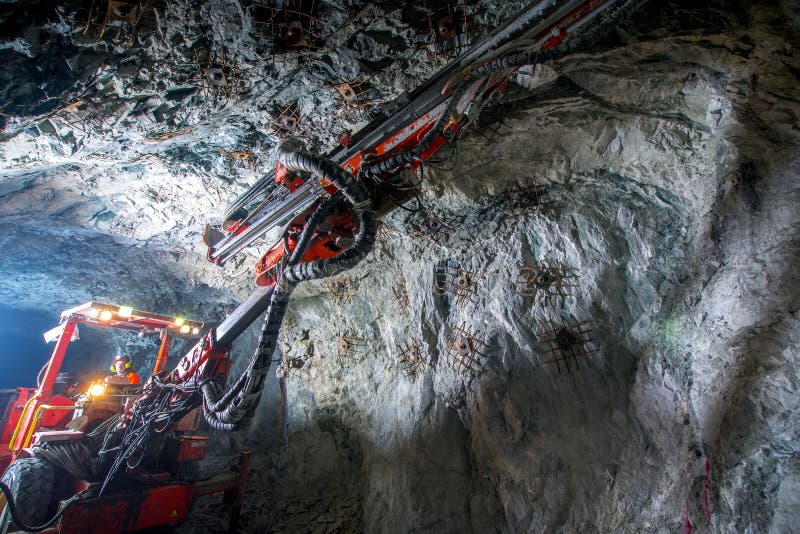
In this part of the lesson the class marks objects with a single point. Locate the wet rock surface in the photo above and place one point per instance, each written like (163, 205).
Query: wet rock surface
(655, 177)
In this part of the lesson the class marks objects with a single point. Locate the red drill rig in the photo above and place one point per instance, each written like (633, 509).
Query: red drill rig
(327, 207)
(31, 415)
(54, 418)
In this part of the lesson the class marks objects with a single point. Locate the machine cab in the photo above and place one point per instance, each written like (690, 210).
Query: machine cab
(50, 411)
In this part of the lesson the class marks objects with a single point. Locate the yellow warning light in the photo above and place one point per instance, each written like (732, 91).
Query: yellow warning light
(179, 321)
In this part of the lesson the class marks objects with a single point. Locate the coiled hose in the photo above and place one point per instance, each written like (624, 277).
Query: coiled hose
(231, 410)
(509, 61)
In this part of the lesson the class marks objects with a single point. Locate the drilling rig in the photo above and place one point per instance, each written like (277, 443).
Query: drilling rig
(326, 207)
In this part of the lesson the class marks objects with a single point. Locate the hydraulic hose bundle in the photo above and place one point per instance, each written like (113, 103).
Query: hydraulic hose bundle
(232, 410)
(155, 412)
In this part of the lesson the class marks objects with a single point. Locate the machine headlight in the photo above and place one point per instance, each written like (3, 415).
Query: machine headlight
(93, 313)
(106, 315)
(195, 331)
(185, 329)
(125, 311)
(97, 390)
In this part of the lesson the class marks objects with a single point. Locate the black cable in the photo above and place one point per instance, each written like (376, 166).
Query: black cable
(152, 414)
(12, 508)
(437, 163)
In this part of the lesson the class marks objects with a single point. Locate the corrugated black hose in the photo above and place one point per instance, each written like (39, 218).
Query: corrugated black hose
(215, 403)
(231, 411)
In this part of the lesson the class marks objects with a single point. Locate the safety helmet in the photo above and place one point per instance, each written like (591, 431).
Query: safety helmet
(121, 358)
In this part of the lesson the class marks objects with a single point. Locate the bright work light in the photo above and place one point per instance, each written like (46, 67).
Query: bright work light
(97, 390)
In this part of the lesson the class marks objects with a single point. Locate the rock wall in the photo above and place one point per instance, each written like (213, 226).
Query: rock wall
(670, 174)
(657, 172)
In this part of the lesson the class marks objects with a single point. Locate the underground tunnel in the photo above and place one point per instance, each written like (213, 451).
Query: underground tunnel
(439, 266)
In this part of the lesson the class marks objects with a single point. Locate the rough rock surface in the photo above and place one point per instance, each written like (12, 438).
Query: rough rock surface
(672, 173)
(670, 158)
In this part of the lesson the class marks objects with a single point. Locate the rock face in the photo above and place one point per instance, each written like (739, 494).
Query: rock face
(447, 385)
(671, 175)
